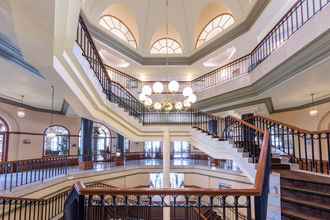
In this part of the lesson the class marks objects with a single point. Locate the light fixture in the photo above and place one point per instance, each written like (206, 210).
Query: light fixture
(186, 103)
(146, 89)
(192, 98)
(51, 133)
(178, 106)
(142, 97)
(21, 111)
(313, 112)
(168, 106)
(148, 101)
(187, 91)
(157, 106)
(173, 86)
(158, 87)
(118, 154)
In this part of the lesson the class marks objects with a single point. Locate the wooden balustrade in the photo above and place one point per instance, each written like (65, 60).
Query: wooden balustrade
(309, 149)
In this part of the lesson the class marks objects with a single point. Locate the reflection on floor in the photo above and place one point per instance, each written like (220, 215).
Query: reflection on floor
(8, 181)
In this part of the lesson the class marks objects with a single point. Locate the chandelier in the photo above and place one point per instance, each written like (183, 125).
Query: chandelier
(173, 87)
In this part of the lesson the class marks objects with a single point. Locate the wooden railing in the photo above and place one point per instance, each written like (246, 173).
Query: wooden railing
(186, 198)
(309, 149)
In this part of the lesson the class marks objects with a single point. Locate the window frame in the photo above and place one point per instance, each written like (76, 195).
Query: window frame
(205, 26)
(166, 38)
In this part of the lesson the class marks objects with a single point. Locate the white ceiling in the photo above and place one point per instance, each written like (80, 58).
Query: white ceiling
(147, 19)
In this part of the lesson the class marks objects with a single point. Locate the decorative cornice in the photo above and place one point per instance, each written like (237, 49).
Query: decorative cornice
(268, 102)
(309, 55)
(204, 51)
(28, 107)
(13, 54)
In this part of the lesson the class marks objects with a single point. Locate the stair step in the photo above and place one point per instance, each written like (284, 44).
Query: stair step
(305, 181)
(305, 194)
(287, 214)
(309, 208)
(279, 166)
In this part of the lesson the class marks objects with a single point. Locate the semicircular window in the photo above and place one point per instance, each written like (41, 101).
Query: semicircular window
(118, 28)
(214, 27)
(166, 46)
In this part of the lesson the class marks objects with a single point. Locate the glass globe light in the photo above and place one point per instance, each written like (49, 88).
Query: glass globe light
(21, 113)
(192, 98)
(186, 103)
(142, 97)
(313, 112)
(148, 101)
(173, 86)
(157, 106)
(187, 91)
(158, 87)
(178, 106)
(146, 90)
(168, 106)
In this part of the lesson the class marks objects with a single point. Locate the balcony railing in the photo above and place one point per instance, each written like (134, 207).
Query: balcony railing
(298, 15)
(309, 149)
(115, 203)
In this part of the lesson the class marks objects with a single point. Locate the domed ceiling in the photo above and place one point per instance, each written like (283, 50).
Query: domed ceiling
(146, 32)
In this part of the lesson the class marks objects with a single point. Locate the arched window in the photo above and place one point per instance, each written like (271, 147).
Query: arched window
(102, 140)
(118, 28)
(214, 27)
(3, 139)
(166, 46)
(56, 141)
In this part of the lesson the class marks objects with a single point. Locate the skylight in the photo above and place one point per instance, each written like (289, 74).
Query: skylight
(118, 28)
(214, 27)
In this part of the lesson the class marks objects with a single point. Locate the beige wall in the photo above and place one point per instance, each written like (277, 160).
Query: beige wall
(26, 146)
(302, 119)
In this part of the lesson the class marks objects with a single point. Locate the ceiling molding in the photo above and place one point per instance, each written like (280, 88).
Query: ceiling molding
(268, 102)
(28, 107)
(308, 56)
(227, 37)
(13, 54)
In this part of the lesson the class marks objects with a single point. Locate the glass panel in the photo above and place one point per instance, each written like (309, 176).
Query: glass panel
(214, 28)
(118, 28)
(166, 45)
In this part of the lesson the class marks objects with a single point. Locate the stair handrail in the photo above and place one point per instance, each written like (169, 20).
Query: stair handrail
(259, 191)
(306, 9)
(308, 149)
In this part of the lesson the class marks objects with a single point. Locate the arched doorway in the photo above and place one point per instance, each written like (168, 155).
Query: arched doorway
(4, 129)
(102, 142)
(56, 141)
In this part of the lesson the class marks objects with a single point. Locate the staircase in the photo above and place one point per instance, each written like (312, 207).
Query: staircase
(304, 196)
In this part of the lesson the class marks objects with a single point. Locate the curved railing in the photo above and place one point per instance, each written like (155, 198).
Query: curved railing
(299, 14)
(117, 202)
(309, 149)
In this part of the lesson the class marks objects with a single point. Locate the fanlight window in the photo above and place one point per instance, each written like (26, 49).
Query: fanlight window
(214, 27)
(166, 46)
(118, 28)
(56, 141)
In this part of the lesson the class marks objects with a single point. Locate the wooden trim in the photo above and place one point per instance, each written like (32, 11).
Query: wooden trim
(291, 126)
(255, 191)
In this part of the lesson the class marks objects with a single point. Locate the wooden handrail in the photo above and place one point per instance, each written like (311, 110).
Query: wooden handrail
(291, 126)
(254, 191)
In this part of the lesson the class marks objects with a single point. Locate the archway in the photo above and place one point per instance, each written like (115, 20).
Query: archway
(56, 141)
(4, 129)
